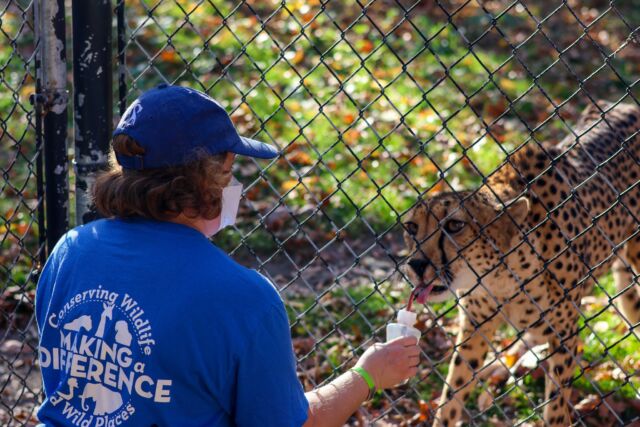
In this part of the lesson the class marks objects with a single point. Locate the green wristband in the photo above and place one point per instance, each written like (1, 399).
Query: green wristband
(367, 378)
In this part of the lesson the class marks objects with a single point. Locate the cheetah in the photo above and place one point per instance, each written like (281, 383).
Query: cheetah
(525, 247)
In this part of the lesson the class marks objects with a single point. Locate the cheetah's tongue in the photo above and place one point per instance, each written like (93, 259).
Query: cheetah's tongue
(420, 294)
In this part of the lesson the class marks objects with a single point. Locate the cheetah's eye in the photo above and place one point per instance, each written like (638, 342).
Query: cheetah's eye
(453, 226)
(411, 227)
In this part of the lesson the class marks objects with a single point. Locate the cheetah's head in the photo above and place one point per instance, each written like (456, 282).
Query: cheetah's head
(459, 240)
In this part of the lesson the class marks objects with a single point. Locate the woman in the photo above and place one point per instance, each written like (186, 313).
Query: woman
(144, 322)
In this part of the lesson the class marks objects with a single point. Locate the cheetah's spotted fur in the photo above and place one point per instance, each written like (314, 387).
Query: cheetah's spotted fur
(538, 233)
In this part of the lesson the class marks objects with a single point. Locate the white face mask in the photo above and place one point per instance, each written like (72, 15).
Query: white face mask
(231, 195)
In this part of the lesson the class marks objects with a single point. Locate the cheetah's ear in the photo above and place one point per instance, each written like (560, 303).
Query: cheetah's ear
(518, 209)
(592, 112)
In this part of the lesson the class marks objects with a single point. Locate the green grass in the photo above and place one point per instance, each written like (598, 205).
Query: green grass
(344, 110)
(608, 345)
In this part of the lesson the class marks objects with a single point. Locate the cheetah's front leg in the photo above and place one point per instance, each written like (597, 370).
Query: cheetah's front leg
(470, 350)
(558, 381)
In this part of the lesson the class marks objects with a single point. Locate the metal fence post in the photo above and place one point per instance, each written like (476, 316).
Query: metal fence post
(92, 81)
(52, 99)
(122, 57)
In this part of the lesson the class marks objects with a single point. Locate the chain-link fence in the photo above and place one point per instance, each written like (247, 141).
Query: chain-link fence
(385, 111)
(21, 247)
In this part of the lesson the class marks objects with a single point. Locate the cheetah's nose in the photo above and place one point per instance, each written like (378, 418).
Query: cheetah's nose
(419, 266)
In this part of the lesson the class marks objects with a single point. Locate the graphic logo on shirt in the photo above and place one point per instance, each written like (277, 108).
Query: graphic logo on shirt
(103, 355)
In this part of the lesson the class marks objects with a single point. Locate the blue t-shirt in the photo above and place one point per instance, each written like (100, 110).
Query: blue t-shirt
(146, 323)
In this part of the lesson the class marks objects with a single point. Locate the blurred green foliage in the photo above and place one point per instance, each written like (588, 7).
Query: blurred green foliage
(18, 198)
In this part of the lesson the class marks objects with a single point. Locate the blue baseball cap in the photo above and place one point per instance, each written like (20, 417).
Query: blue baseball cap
(170, 122)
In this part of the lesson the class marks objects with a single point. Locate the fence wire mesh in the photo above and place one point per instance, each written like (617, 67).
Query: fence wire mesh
(421, 119)
(21, 249)
(377, 105)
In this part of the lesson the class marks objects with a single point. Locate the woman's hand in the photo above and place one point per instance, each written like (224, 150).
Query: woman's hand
(391, 363)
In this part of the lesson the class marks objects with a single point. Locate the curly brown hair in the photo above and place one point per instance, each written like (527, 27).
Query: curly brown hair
(194, 188)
